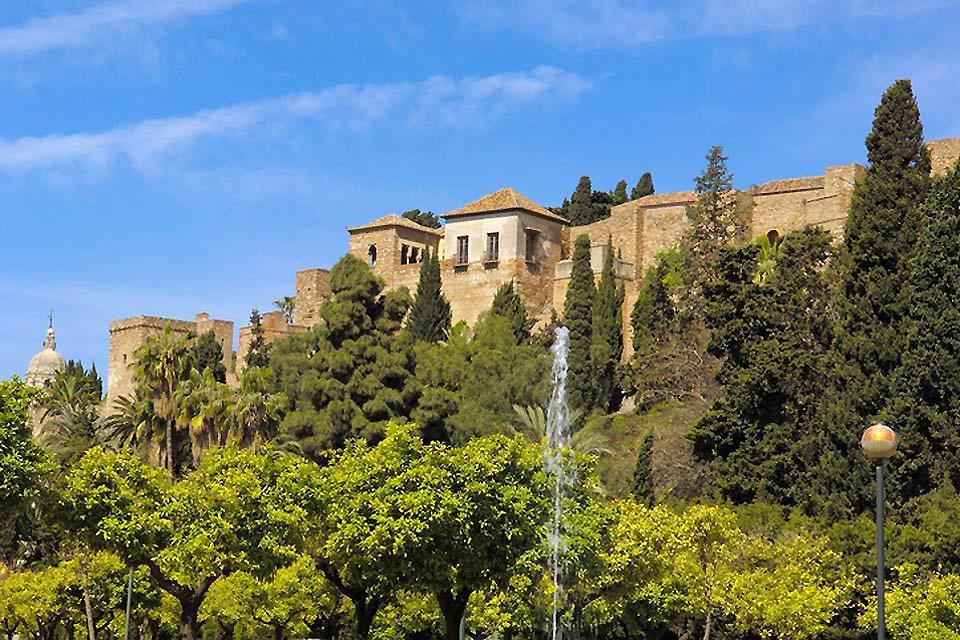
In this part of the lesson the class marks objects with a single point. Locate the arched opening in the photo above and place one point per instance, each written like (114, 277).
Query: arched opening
(372, 252)
(772, 236)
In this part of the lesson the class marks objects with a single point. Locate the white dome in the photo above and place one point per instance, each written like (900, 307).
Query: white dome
(45, 365)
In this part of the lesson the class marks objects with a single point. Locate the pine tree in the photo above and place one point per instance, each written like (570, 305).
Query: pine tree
(581, 203)
(257, 351)
(644, 187)
(430, 315)
(607, 344)
(642, 488)
(508, 304)
(928, 380)
(716, 220)
(578, 318)
(620, 193)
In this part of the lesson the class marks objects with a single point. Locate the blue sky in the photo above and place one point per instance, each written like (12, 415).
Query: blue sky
(173, 156)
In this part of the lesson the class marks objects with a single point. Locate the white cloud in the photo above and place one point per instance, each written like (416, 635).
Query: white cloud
(626, 23)
(66, 30)
(437, 101)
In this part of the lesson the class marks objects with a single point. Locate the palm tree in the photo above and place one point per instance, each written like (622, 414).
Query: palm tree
(161, 364)
(256, 412)
(69, 420)
(589, 440)
(206, 406)
(133, 425)
(771, 249)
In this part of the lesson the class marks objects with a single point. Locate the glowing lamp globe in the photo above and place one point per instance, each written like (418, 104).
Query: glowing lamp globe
(879, 442)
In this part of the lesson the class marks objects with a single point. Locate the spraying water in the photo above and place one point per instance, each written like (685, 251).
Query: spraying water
(559, 432)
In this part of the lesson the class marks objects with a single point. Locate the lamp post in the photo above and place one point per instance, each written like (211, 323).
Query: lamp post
(879, 442)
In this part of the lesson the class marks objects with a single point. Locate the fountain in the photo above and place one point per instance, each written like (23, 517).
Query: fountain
(559, 432)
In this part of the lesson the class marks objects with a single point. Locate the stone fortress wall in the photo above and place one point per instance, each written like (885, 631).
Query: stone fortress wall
(129, 334)
(533, 248)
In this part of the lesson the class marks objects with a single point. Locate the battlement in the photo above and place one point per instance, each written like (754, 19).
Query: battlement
(129, 334)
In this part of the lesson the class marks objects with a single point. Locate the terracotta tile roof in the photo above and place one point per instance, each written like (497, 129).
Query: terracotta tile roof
(504, 200)
(395, 221)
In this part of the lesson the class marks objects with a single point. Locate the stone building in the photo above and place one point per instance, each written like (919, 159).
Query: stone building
(129, 334)
(505, 236)
(47, 363)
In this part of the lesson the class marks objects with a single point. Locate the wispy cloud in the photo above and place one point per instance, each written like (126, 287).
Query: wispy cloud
(626, 23)
(438, 101)
(86, 28)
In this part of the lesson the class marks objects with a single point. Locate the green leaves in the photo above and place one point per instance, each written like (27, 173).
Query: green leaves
(21, 461)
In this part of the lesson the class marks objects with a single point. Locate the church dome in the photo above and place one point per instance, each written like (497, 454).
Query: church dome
(45, 365)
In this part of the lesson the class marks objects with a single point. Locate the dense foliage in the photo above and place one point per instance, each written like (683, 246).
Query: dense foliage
(368, 480)
(429, 319)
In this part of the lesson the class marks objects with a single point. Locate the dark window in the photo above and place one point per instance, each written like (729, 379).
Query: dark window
(531, 248)
(403, 254)
(373, 255)
(493, 248)
(772, 236)
(463, 249)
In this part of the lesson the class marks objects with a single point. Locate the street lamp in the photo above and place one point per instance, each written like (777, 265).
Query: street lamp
(879, 442)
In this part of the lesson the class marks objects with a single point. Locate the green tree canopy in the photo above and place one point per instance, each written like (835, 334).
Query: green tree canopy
(606, 345)
(429, 319)
(21, 460)
(578, 318)
(508, 304)
(349, 375)
(644, 187)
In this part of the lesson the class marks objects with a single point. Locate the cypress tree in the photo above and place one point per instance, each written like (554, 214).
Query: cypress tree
(872, 300)
(581, 203)
(620, 193)
(257, 352)
(644, 187)
(607, 344)
(578, 318)
(208, 354)
(430, 315)
(642, 488)
(507, 304)
(878, 241)
(928, 380)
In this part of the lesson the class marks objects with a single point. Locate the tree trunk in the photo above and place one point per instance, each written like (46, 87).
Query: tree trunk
(366, 610)
(88, 607)
(170, 446)
(453, 608)
(277, 632)
(189, 625)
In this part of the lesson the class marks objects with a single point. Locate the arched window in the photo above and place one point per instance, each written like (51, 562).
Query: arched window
(772, 236)
(372, 252)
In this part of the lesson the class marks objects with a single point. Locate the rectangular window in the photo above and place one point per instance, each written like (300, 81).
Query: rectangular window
(531, 248)
(493, 248)
(463, 250)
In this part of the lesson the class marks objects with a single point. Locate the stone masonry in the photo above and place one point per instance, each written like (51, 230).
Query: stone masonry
(129, 334)
(504, 236)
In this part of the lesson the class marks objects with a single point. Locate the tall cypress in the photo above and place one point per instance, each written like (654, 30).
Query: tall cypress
(508, 304)
(642, 488)
(620, 193)
(581, 203)
(430, 314)
(578, 318)
(927, 383)
(644, 187)
(878, 242)
(257, 351)
(872, 300)
(607, 345)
